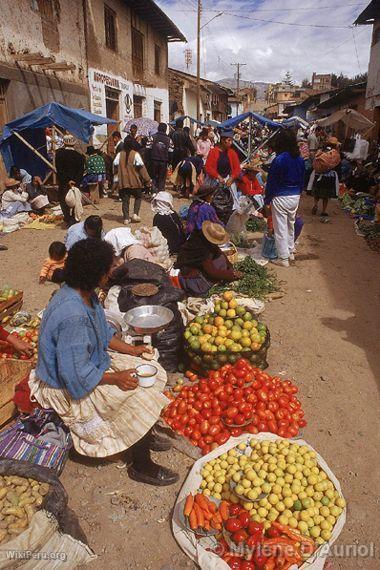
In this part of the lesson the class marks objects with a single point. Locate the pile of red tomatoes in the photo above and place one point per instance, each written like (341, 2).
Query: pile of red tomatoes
(233, 400)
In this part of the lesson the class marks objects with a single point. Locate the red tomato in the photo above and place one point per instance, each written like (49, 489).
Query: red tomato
(262, 426)
(196, 435)
(222, 437)
(239, 536)
(244, 518)
(302, 423)
(283, 401)
(246, 564)
(262, 395)
(214, 420)
(233, 525)
(234, 509)
(272, 426)
(238, 394)
(239, 419)
(206, 413)
(214, 430)
(255, 528)
(234, 563)
(184, 419)
(256, 384)
(204, 427)
(283, 432)
(273, 406)
(292, 430)
(192, 422)
(232, 412)
(251, 429)
(208, 439)
(198, 405)
(236, 431)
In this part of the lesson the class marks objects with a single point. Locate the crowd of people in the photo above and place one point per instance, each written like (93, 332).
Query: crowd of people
(75, 374)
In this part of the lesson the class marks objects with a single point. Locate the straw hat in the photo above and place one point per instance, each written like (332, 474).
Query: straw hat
(333, 141)
(253, 165)
(10, 182)
(215, 233)
(68, 140)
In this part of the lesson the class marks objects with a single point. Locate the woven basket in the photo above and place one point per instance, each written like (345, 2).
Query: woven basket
(11, 373)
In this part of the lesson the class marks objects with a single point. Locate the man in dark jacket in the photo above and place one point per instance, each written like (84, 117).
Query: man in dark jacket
(70, 166)
(160, 147)
(183, 146)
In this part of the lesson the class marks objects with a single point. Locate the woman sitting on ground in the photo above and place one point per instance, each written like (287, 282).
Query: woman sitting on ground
(96, 394)
(168, 221)
(14, 199)
(202, 263)
(201, 210)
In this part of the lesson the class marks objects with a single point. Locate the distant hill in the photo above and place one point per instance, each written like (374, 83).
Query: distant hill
(261, 86)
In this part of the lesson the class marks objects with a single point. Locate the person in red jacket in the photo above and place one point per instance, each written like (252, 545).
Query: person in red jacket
(18, 344)
(248, 183)
(223, 163)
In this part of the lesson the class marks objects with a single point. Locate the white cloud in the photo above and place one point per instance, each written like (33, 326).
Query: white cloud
(270, 49)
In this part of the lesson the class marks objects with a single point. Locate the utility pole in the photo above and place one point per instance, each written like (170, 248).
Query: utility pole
(199, 60)
(238, 75)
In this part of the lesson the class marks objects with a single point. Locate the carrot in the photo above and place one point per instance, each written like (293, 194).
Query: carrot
(212, 507)
(215, 523)
(202, 501)
(207, 525)
(218, 517)
(200, 515)
(188, 505)
(193, 520)
(207, 515)
(223, 510)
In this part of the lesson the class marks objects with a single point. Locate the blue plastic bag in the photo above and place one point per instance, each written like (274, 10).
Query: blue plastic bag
(269, 250)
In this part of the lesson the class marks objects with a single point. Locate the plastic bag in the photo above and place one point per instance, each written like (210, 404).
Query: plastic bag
(157, 245)
(269, 250)
(223, 203)
(237, 224)
(200, 550)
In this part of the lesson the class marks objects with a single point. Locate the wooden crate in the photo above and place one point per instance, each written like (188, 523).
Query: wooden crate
(10, 307)
(11, 373)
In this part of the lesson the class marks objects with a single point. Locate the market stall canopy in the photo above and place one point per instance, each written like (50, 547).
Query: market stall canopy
(230, 123)
(350, 118)
(295, 122)
(32, 127)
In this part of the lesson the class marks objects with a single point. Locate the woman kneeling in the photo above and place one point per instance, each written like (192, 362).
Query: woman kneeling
(96, 395)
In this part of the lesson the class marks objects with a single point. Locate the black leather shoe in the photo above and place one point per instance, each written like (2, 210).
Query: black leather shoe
(163, 477)
(159, 444)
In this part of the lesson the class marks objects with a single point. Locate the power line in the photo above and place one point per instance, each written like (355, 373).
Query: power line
(356, 50)
(310, 9)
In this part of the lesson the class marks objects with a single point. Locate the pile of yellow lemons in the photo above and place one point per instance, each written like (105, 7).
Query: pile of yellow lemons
(298, 491)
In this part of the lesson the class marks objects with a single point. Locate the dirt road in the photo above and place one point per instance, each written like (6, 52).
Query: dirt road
(325, 334)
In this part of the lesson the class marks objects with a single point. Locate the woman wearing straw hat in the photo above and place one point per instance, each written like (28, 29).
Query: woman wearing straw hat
(14, 199)
(202, 263)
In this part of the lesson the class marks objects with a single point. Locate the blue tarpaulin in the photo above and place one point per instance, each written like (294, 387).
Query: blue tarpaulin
(231, 123)
(31, 126)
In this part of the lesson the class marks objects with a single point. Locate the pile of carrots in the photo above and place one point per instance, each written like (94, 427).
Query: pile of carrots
(204, 514)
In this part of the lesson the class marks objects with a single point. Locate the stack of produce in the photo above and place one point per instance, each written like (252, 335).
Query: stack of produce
(256, 282)
(278, 481)
(30, 336)
(20, 498)
(231, 401)
(227, 334)
(201, 514)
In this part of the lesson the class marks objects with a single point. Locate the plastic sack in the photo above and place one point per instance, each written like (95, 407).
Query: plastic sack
(269, 250)
(326, 161)
(199, 550)
(223, 203)
(54, 530)
(154, 241)
(236, 226)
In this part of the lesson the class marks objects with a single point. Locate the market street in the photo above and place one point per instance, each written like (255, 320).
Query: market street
(324, 334)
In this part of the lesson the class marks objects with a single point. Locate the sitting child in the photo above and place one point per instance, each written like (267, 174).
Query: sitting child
(52, 268)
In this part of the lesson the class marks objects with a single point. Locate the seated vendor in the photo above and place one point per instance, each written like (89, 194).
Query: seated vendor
(201, 210)
(37, 195)
(202, 263)
(92, 227)
(127, 246)
(20, 174)
(167, 221)
(14, 199)
(96, 393)
(248, 183)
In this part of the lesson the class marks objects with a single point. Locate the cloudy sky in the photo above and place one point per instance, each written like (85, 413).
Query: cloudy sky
(271, 37)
